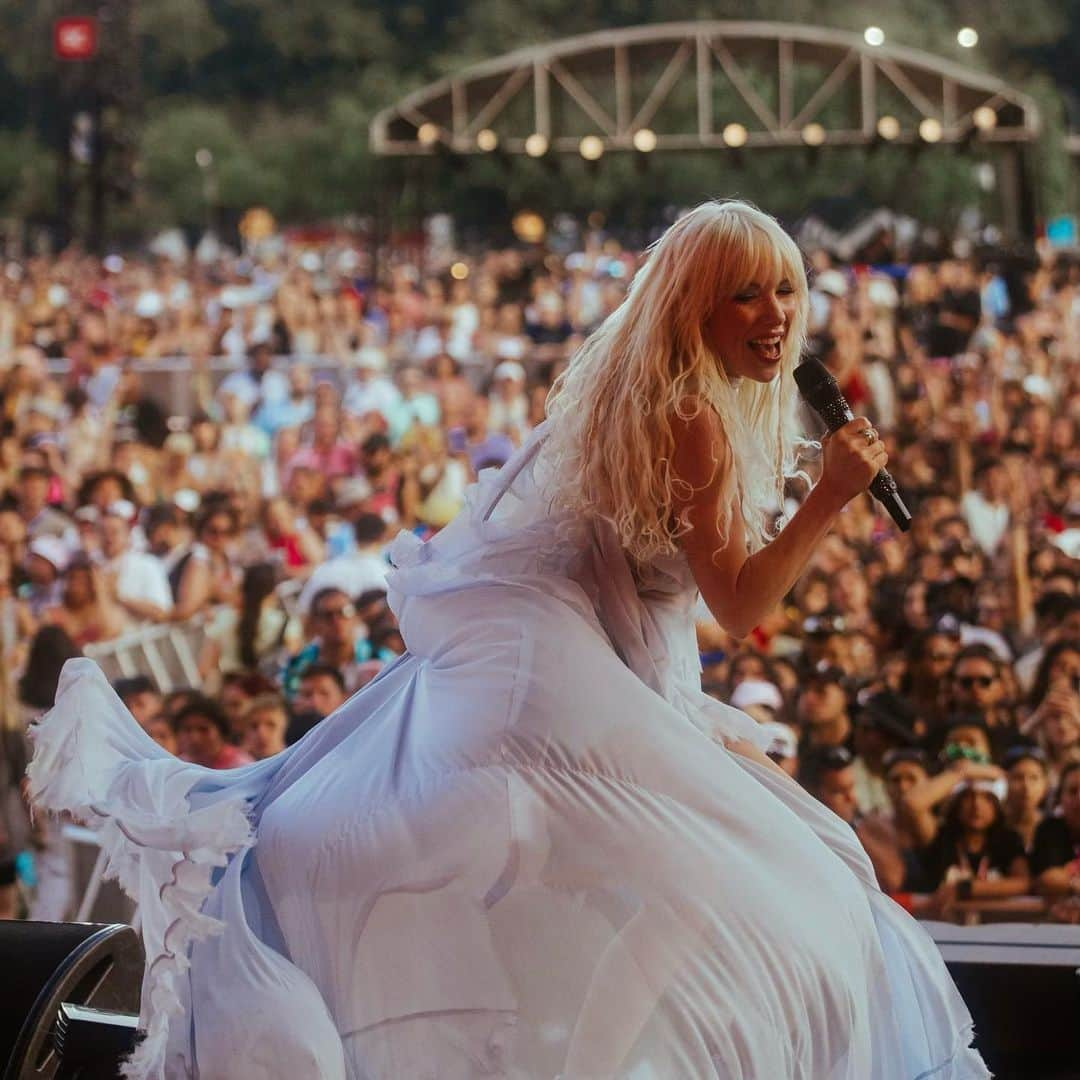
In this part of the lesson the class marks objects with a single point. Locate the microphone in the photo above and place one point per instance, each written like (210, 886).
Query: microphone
(822, 394)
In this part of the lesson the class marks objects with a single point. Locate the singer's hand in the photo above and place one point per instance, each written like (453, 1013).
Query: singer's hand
(851, 461)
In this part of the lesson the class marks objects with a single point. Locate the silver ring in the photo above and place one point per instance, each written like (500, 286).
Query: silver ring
(869, 434)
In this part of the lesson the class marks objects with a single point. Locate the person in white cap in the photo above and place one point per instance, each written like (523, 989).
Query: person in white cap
(509, 405)
(46, 560)
(137, 579)
(758, 698)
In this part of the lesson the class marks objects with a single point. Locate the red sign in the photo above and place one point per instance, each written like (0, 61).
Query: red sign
(75, 37)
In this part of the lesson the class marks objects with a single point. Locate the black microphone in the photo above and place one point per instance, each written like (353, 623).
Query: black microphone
(822, 394)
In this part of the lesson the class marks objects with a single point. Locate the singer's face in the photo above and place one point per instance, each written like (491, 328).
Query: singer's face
(748, 330)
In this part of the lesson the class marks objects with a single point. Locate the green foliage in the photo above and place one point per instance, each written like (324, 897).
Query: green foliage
(282, 95)
(1049, 159)
(27, 176)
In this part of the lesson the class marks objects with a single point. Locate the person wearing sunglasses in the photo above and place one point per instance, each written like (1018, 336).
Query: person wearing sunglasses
(207, 575)
(337, 637)
(977, 685)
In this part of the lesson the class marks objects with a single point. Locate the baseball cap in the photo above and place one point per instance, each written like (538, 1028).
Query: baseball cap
(120, 508)
(832, 283)
(510, 369)
(999, 788)
(752, 692)
(53, 550)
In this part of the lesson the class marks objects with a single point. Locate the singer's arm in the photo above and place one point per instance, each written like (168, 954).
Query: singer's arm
(740, 588)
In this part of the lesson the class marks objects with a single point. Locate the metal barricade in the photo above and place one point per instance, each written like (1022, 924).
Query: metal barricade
(168, 379)
(168, 654)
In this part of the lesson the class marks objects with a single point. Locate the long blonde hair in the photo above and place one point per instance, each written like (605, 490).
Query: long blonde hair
(611, 412)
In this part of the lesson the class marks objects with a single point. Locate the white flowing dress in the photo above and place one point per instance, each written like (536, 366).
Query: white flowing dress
(523, 851)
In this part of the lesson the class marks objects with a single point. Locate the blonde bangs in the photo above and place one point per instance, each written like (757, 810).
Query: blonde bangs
(611, 411)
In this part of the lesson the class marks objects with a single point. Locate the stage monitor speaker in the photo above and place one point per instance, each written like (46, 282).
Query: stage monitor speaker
(1021, 982)
(47, 964)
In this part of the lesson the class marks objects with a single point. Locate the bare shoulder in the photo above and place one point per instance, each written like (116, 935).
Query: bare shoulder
(702, 454)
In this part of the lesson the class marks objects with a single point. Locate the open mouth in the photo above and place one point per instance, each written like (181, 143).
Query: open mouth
(768, 347)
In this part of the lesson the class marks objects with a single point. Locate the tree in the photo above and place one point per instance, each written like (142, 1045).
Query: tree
(282, 95)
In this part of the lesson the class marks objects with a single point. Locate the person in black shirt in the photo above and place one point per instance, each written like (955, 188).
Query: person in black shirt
(959, 310)
(1055, 856)
(975, 855)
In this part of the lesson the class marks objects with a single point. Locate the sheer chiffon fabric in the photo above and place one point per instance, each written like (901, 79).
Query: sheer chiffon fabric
(523, 851)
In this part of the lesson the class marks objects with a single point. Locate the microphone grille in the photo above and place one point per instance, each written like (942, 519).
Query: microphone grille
(815, 383)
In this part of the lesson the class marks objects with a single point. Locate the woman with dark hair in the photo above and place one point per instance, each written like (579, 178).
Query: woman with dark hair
(975, 855)
(451, 389)
(86, 612)
(50, 649)
(1055, 724)
(206, 575)
(930, 655)
(202, 736)
(1060, 664)
(1055, 857)
(1028, 779)
(253, 635)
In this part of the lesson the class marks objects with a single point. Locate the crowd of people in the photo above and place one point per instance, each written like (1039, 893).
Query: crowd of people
(924, 686)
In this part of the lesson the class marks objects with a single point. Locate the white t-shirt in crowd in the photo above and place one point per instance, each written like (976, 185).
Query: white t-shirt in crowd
(352, 574)
(141, 577)
(987, 521)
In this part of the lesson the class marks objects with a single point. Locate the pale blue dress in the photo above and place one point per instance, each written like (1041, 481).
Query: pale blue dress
(523, 851)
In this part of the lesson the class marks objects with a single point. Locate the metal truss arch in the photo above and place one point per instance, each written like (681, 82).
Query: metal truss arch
(616, 82)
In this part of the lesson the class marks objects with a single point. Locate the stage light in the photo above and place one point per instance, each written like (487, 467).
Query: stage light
(427, 134)
(735, 135)
(985, 118)
(874, 35)
(888, 127)
(986, 176)
(645, 140)
(930, 130)
(536, 145)
(968, 37)
(487, 140)
(813, 134)
(459, 271)
(591, 147)
(528, 226)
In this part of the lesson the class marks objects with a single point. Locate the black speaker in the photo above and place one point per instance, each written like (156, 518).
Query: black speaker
(47, 964)
(1021, 982)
